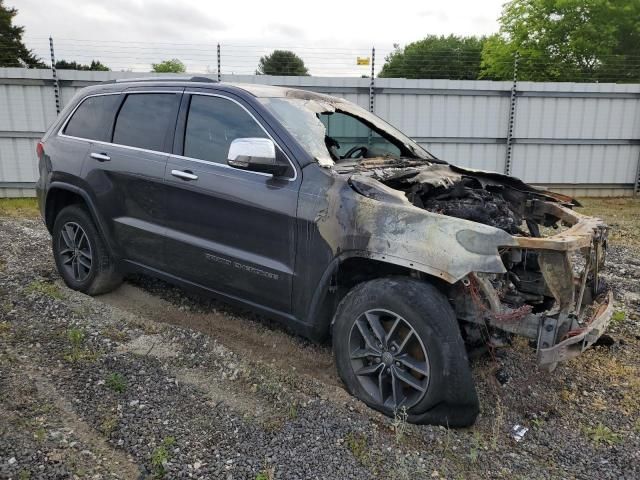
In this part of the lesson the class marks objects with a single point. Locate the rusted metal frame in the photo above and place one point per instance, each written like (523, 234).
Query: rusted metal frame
(579, 235)
(575, 345)
(583, 280)
(558, 275)
(526, 326)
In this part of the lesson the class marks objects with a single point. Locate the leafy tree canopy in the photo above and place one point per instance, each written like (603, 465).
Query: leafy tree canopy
(435, 56)
(13, 52)
(281, 62)
(96, 65)
(169, 66)
(566, 40)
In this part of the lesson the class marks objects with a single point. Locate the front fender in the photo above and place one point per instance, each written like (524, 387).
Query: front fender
(445, 247)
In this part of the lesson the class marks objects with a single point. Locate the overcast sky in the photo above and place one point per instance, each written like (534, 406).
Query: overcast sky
(129, 34)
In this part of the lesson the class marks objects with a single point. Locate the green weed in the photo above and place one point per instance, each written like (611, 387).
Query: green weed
(160, 456)
(601, 434)
(116, 382)
(44, 288)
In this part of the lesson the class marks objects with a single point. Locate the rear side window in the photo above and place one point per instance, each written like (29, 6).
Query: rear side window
(92, 119)
(146, 119)
(212, 124)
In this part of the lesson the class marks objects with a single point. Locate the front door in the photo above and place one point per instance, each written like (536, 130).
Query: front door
(229, 230)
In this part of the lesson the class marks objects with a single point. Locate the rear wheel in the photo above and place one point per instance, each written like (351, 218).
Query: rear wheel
(80, 254)
(398, 347)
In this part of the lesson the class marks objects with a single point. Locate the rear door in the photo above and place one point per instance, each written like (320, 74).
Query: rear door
(230, 230)
(126, 174)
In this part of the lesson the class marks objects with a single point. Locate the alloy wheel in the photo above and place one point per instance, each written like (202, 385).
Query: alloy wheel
(389, 359)
(75, 251)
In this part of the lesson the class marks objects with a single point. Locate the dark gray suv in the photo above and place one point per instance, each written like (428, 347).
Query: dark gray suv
(310, 210)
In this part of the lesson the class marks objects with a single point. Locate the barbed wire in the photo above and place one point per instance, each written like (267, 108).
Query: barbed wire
(244, 59)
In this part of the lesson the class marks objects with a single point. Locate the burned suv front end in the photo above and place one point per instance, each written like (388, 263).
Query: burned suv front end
(548, 286)
(516, 259)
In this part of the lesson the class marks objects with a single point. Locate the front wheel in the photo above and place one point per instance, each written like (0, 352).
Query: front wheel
(398, 347)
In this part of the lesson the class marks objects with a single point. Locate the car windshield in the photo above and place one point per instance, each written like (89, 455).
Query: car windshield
(339, 132)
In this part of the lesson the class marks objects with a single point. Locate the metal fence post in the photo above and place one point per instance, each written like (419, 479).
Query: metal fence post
(372, 83)
(219, 75)
(56, 85)
(636, 186)
(512, 116)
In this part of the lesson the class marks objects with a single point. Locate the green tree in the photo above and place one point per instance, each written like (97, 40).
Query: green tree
(435, 56)
(281, 62)
(566, 40)
(169, 66)
(13, 52)
(96, 65)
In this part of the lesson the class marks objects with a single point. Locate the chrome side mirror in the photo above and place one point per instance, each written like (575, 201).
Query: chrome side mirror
(256, 155)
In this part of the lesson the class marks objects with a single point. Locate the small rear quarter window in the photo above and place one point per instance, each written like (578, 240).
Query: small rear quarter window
(92, 119)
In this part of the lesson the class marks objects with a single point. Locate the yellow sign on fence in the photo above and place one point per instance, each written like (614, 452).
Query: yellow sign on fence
(363, 60)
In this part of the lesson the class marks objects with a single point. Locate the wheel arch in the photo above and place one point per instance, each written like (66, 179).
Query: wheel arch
(344, 273)
(62, 194)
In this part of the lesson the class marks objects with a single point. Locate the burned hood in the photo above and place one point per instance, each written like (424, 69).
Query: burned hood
(487, 198)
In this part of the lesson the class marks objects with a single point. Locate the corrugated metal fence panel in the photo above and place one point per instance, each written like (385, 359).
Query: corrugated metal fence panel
(574, 133)
(584, 137)
(468, 117)
(27, 107)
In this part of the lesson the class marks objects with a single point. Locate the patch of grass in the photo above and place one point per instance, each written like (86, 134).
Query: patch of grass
(112, 333)
(160, 456)
(477, 445)
(293, 410)
(618, 316)
(620, 213)
(77, 352)
(44, 288)
(538, 423)
(116, 382)
(497, 424)
(5, 328)
(24, 474)
(19, 207)
(601, 434)
(6, 306)
(266, 474)
(399, 423)
(40, 434)
(108, 425)
(75, 337)
(357, 444)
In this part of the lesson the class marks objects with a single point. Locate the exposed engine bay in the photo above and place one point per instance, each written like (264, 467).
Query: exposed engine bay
(550, 290)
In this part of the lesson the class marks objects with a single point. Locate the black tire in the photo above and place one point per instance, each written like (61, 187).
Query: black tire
(101, 276)
(434, 353)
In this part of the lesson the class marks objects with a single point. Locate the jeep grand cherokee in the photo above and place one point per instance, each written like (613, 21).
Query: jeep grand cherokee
(313, 211)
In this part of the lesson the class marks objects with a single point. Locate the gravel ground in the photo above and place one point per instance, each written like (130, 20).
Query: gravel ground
(151, 382)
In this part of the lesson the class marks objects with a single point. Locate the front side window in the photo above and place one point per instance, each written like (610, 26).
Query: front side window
(348, 134)
(212, 124)
(335, 131)
(146, 119)
(92, 119)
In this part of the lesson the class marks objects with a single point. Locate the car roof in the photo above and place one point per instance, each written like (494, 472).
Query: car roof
(254, 89)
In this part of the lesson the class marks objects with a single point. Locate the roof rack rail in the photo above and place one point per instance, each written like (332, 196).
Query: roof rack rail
(166, 79)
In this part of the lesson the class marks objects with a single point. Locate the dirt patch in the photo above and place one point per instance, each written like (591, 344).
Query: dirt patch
(239, 335)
